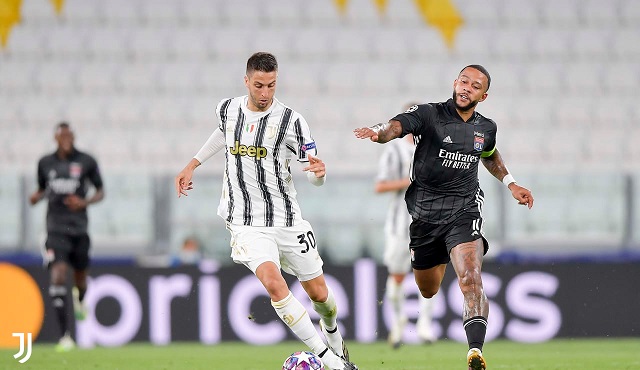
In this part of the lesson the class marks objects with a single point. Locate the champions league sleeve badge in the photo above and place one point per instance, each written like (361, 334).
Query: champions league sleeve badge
(308, 146)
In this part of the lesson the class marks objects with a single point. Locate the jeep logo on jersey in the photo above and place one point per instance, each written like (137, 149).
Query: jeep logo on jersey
(258, 152)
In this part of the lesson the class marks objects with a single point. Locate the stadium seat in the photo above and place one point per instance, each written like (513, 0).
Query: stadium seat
(120, 113)
(97, 78)
(516, 14)
(139, 78)
(621, 78)
(110, 44)
(122, 12)
(321, 14)
(349, 46)
(561, 14)
(56, 78)
(601, 13)
(591, 44)
(18, 78)
(189, 45)
(27, 43)
(474, 44)
(83, 11)
(68, 42)
(288, 13)
(546, 77)
(629, 13)
(480, 13)
(149, 44)
(86, 114)
(363, 13)
(551, 44)
(584, 76)
(159, 12)
(575, 111)
(624, 47)
(425, 44)
(245, 14)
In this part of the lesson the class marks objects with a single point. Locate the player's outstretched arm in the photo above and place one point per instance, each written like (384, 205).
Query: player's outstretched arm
(495, 165)
(381, 132)
(183, 181)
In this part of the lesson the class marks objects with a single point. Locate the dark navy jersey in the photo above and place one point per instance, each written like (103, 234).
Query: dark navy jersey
(445, 165)
(60, 178)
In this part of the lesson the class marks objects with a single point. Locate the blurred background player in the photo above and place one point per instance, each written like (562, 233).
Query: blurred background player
(189, 253)
(260, 137)
(445, 200)
(393, 177)
(63, 178)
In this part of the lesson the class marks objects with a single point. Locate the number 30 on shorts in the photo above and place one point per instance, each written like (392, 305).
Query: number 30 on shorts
(308, 240)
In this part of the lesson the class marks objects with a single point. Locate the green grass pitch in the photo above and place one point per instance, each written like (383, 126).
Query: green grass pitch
(618, 354)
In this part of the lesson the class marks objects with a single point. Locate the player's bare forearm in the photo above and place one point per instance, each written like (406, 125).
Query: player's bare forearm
(36, 197)
(392, 185)
(495, 165)
(98, 196)
(381, 132)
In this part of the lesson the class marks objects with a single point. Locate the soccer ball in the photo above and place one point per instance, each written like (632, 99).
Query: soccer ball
(302, 360)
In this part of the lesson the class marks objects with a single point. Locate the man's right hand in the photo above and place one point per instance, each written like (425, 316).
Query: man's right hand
(35, 197)
(183, 181)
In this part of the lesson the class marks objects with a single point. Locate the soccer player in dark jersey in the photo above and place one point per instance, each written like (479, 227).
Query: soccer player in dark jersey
(445, 199)
(63, 178)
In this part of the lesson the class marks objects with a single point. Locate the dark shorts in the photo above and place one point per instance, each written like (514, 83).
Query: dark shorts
(72, 249)
(431, 244)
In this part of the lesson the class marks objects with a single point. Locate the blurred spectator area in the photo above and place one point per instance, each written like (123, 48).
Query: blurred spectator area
(139, 81)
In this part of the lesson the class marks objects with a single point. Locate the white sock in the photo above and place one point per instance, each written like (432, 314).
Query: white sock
(425, 312)
(328, 311)
(293, 314)
(395, 296)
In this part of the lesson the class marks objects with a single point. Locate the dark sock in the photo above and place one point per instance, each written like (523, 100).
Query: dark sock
(58, 294)
(476, 329)
(81, 293)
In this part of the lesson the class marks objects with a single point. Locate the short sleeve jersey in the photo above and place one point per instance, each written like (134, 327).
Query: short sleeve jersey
(445, 167)
(60, 178)
(395, 164)
(258, 188)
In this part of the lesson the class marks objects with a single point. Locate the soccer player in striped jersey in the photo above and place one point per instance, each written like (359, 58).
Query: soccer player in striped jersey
(260, 136)
(445, 199)
(393, 177)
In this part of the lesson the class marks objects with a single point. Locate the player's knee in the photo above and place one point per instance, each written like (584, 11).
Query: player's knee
(317, 295)
(429, 292)
(470, 280)
(276, 288)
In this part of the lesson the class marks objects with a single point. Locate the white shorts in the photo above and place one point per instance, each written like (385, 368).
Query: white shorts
(293, 249)
(396, 254)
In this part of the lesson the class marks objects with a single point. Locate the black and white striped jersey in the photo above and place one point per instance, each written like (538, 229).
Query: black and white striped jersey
(445, 164)
(395, 164)
(258, 188)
